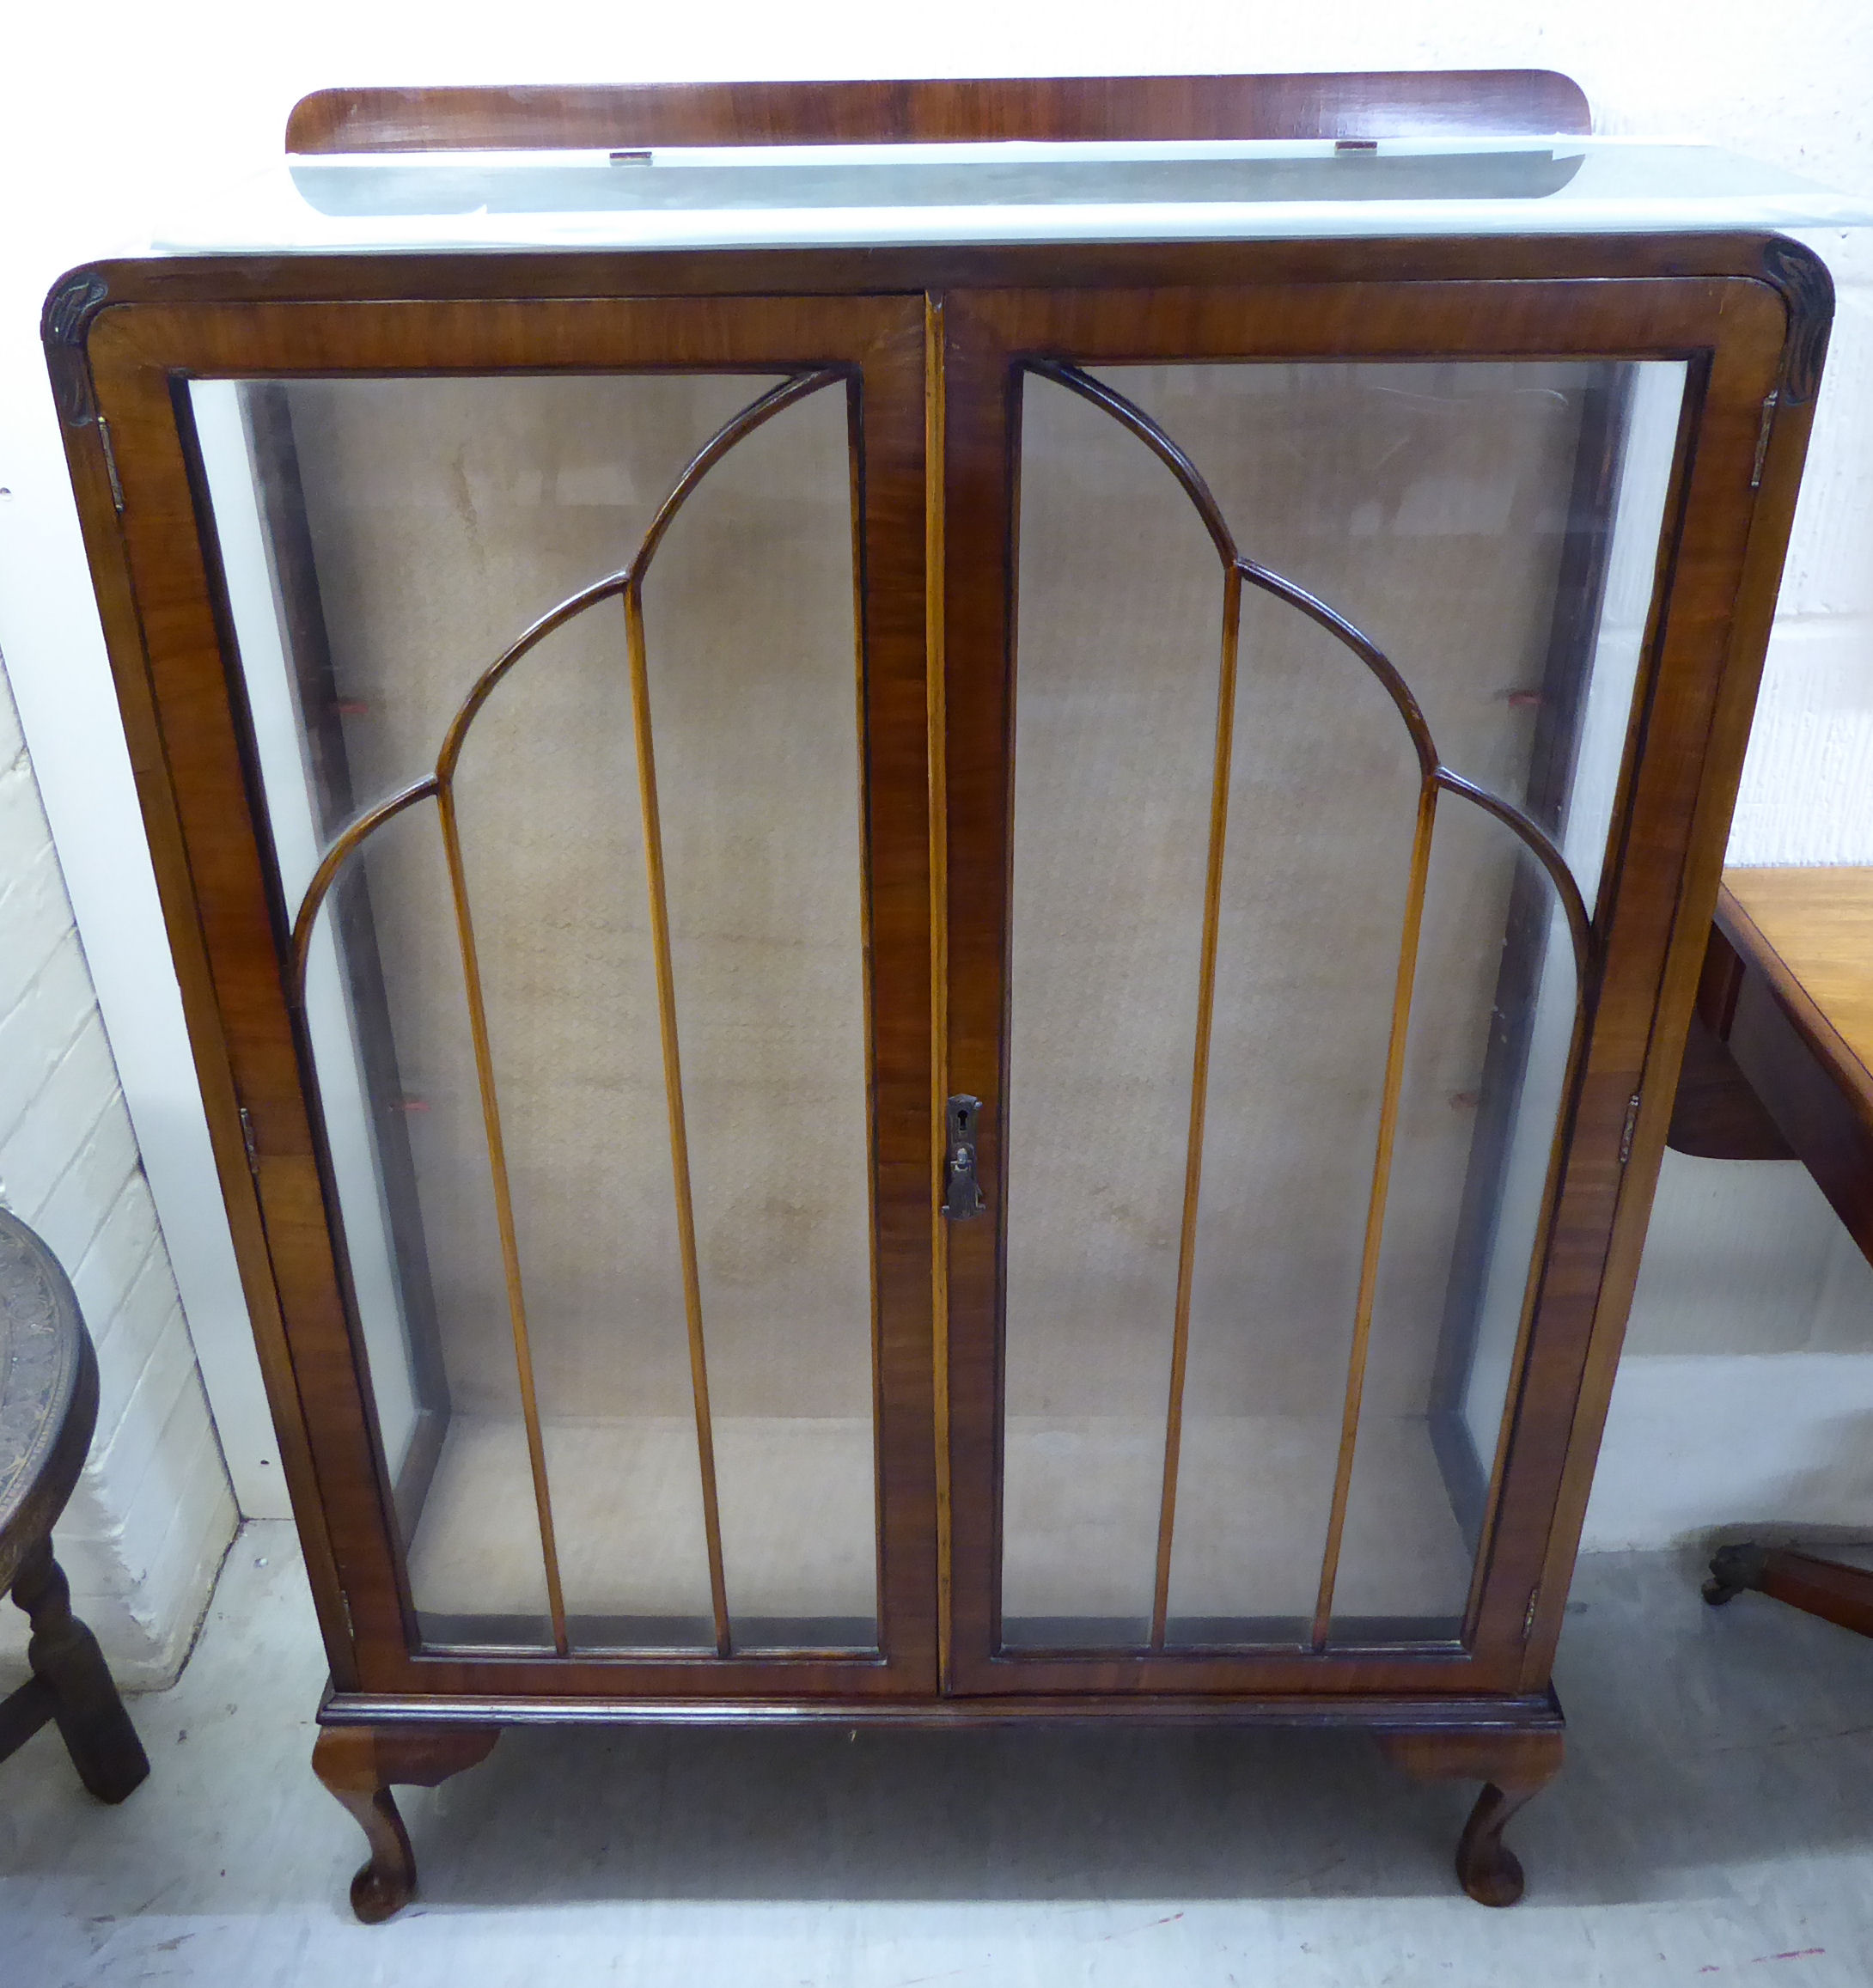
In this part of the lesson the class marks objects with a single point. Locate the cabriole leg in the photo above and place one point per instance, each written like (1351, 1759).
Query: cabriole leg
(1514, 1767)
(1487, 1869)
(359, 1764)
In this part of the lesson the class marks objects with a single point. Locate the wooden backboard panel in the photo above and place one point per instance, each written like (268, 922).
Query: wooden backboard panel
(1392, 103)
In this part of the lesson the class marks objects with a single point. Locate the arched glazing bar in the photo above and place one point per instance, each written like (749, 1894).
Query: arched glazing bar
(627, 584)
(1434, 779)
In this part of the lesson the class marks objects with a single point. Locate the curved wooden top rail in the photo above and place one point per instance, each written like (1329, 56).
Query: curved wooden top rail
(1380, 104)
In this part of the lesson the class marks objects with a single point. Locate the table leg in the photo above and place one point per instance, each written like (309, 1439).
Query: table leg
(1829, 1589)
(66, 1660)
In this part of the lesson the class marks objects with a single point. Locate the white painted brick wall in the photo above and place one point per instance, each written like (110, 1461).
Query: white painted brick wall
(152, 1515)
(1808, 787)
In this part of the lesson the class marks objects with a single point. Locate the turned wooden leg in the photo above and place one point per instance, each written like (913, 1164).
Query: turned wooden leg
(68, 1664)
(359, 1764)
(1514, 1767)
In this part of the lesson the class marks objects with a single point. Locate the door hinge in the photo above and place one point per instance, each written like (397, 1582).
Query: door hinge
(110, 464)
(1627, 1128)
(1763, 439)
(1528, 1619)
(246, 1140)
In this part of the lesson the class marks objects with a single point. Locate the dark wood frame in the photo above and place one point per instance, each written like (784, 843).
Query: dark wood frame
(1749, 313)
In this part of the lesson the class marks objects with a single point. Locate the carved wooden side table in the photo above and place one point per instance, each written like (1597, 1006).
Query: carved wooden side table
(48, 1409)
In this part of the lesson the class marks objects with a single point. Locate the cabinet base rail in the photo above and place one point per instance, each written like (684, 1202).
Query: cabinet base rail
(366, 1746)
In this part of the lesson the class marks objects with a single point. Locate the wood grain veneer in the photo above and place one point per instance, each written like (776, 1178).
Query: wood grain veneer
(1476, 102)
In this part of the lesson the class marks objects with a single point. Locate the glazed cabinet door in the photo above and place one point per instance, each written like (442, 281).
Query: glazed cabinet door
(1308, 898)
(546, 711)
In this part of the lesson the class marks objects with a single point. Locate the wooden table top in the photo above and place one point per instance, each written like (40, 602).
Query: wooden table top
(1811, 932)
(48, 1390)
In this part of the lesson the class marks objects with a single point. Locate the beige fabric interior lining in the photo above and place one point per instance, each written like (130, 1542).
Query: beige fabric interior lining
(1426, 502)
(630, 1525)
(799, 1534)
(447, 515)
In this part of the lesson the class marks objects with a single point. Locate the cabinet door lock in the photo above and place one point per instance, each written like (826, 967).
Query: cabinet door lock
(962, 1193)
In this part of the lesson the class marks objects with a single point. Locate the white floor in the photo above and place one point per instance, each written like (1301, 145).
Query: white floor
(1715, 1821)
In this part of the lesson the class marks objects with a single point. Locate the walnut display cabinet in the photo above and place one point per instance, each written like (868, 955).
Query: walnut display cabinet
(937, 928)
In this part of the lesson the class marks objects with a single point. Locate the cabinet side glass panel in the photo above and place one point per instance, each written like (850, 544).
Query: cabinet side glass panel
(504, 992)
(1344, 992)
(1617, 515)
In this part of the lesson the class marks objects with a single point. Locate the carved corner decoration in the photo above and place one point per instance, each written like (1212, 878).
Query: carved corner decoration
(74, 300)
(1808, 291)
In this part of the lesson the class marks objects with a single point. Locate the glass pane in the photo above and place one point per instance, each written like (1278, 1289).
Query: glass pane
(853, 195)
(1323, 797)
(1115, 717)
(1646, 403)
(383, 540)
(756, 722)
(1412, 1510)
(552, 845)
(465, 1491)
(1493, 528)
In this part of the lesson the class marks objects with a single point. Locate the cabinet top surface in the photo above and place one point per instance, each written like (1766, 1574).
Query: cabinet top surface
(877, 195)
